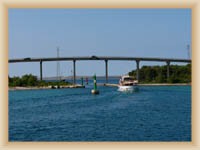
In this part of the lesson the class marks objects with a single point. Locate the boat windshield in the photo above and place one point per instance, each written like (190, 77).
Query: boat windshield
(128, 79)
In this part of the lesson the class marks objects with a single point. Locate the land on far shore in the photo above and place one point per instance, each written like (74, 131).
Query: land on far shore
(158, 74)
(149, 76)
(30, 81)
(100, 84)
(44, 87)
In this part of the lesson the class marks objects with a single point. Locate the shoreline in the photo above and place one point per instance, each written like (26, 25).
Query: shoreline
(44, 87)
(100, 84)
(151, 84)
(164, 84)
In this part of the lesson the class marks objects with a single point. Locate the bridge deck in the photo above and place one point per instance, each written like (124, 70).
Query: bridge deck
(98, 58)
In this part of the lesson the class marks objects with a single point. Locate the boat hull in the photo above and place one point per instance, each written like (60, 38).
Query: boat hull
(125, 88)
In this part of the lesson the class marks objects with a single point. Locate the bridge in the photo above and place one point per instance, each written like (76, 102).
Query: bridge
(101, 58)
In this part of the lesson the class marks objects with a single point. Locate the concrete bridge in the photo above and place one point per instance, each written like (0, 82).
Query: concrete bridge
(101, 58)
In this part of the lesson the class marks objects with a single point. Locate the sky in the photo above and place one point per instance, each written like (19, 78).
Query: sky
(134, 32)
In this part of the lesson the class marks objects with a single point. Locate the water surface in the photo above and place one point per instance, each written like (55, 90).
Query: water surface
(154, 113)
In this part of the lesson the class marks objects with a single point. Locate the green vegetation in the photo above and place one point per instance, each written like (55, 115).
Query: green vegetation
(148, 74)
(31, 80)
(158, 74)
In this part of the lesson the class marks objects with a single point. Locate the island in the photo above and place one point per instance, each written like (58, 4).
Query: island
(29, 81)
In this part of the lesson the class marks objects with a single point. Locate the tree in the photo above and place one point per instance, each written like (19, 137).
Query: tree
(158, 74)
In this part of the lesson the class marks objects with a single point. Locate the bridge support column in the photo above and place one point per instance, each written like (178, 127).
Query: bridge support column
(168, 65)
(41, 70)
(138, 70)
(106, 67)
(74, 70)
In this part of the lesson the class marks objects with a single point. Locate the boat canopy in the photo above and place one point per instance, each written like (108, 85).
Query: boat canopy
(127, 78)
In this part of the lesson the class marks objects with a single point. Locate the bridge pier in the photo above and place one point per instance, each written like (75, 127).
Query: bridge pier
(168, 65)
(106, 70)
(138, 70)
(40, 70)
(74, 71)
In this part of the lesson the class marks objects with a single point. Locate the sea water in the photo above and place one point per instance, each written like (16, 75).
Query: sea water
(154, 113)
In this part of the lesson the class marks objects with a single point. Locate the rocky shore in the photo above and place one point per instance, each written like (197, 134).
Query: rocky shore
(45, 87)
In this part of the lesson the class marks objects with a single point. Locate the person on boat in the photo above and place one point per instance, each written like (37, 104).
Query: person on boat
(120, 81)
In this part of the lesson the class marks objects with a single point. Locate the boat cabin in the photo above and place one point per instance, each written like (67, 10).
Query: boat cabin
(127, 81)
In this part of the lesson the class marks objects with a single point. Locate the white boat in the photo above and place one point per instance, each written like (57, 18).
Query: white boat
(127, 83)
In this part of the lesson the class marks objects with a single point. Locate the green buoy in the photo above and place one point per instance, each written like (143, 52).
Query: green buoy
(95, 91)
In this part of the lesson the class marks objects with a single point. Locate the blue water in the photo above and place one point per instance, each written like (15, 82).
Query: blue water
(154, 113)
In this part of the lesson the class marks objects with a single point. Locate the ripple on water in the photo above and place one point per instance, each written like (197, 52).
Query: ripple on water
(160, 113)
